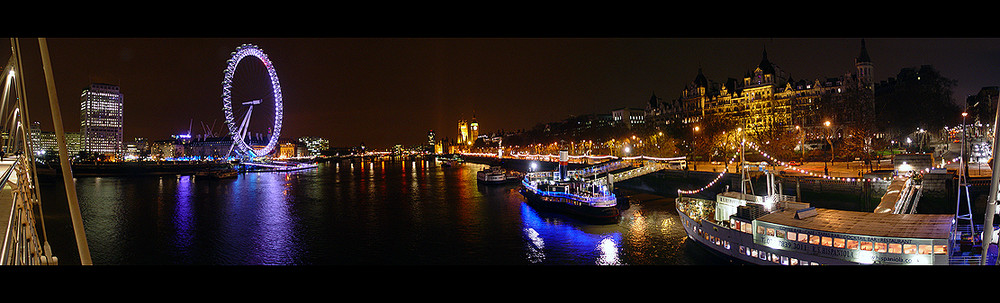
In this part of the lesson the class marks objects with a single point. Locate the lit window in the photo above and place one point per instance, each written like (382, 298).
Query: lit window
(925, 249)
(780, 233)
(813, 239)
(791, 236)
(852, 244)
(760, 230)
(827, 241)
(879, 247)
(803, 238)
(895, 248)
(838, 243)
(940, 249)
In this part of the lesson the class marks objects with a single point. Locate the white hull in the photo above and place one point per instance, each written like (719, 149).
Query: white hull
(739, 246)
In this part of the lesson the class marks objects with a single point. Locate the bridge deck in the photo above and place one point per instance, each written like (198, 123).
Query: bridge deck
(6, 196)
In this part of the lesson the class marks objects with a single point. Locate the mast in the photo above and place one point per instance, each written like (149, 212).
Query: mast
(991, 202)
(744, 175)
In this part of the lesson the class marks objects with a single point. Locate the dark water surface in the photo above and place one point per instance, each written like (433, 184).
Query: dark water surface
(361, 213)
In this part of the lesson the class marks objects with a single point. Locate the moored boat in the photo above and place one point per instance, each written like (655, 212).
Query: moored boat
(491, 175)
(587, 200)
(774, 229)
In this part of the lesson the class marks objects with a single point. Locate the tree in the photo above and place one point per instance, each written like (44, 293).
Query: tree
(917, 98)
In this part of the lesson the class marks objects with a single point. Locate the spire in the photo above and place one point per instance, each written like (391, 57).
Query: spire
(863, 56)
(765, 65)
(700, 80)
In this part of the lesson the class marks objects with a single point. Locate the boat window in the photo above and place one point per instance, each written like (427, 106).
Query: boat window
(780, 233)
(838, 243)
(814, 239)
(827, 241)
(910, 249)
(791, 236)
(770, 231)
(866, 246)
(760, 230)
(940, 249)
(895, 248)
(793, 261)
(924, 250)
(879, 247)
(803, 237)
(852, 244)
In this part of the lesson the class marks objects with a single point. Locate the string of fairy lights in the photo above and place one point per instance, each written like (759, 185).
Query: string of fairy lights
(785, 165)
(710, 184)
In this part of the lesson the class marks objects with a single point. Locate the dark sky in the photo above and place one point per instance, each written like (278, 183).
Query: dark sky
(386, 91)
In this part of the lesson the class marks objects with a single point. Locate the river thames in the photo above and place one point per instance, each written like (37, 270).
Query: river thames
(407, 212)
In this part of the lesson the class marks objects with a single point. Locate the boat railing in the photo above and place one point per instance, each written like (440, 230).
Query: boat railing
(595, 200)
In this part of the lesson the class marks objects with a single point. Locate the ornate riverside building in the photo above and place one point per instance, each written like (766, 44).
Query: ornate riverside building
(767, 99)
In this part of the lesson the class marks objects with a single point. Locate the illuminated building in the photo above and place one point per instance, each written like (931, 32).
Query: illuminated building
(101, 119)
(45, 142)
(463, 132)
(315, 145)
(430, 141)
(628, 116)
(473, 131)
(768, 99)
(167, 149)
(287, 150)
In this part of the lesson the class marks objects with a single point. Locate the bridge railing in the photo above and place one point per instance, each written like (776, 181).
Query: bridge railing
(22, 244)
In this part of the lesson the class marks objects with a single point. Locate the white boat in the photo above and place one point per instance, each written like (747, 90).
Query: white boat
(776, 230)
(497, 175)
(491, 175)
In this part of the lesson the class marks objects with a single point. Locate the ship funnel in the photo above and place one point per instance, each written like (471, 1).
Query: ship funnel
(564, 164)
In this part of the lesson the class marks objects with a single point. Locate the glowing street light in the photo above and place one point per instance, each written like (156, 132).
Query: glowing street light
(828, 140)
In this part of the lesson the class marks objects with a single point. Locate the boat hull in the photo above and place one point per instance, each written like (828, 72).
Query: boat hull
(740, 247)
(595, 215)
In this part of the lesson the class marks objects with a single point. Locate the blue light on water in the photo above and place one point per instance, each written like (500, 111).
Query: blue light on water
(550, 240)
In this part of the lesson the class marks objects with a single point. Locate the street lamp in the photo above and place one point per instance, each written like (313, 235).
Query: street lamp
(802, 142)
(827, 124)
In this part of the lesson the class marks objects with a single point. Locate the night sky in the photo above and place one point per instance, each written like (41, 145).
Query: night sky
(387, 91)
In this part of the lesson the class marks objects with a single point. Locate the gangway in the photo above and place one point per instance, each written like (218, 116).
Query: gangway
(901, 197)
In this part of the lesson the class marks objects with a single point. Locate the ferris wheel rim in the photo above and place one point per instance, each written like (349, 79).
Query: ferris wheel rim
(241, 52)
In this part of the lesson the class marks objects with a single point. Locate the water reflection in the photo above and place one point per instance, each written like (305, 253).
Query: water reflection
(358, 213)
(184, 218)
(567, 242)
(262, 220)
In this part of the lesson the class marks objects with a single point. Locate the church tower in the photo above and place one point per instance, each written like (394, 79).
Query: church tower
(865, 69)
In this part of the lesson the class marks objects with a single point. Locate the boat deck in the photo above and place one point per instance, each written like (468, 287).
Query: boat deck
(920, 226)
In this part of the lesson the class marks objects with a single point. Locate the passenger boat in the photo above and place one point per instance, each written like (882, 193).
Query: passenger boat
(492, 175)
(774, 229)
(587, 200)
(497, 175)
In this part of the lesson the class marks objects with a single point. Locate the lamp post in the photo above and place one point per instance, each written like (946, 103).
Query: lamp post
(827, 124)
(802, 143)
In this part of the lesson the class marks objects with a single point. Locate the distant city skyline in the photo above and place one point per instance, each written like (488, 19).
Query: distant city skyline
(389, 91)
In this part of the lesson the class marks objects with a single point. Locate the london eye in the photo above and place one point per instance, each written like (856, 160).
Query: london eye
(251, 101)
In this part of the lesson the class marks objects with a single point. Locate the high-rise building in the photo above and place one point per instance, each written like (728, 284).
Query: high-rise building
(101, 119)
